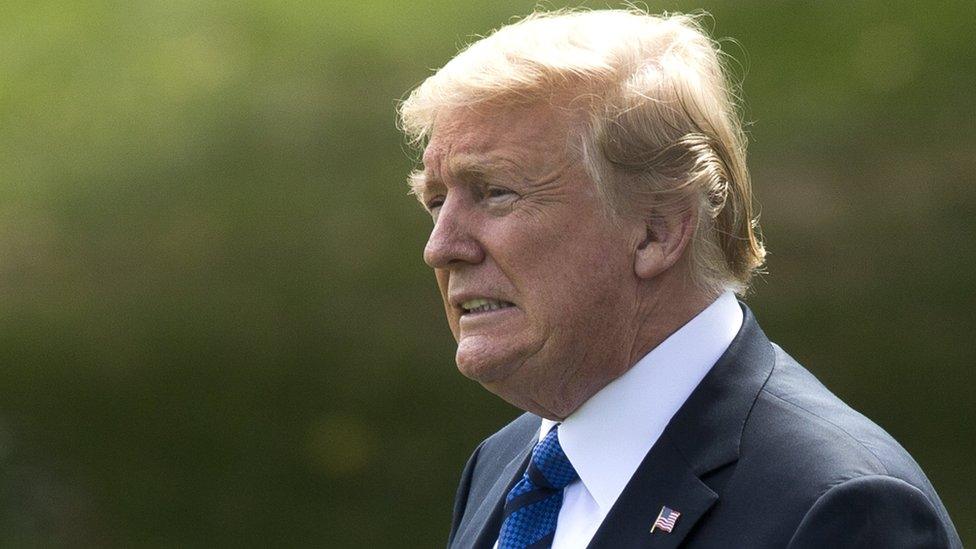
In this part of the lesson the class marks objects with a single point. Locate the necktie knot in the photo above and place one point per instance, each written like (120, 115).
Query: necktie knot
(532, 506)
(549, 459)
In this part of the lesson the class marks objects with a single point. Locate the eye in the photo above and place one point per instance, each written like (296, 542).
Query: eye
(434, 202)
(498, 192)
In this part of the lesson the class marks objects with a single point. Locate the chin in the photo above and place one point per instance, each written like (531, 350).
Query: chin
(484, 370)
(487, 365)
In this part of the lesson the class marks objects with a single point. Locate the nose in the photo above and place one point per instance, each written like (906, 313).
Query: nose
(452, 243)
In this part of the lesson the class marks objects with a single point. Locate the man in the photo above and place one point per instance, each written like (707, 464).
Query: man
(592, 223)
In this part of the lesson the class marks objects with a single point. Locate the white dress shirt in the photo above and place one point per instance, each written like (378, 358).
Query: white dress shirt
(608, 436)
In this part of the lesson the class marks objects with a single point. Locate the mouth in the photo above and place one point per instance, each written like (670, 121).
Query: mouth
(483, 305)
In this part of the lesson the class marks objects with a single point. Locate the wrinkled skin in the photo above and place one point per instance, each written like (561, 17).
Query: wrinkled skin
(518, 220)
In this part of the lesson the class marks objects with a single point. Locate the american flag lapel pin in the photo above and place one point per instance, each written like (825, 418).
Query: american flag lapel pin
(665, 520)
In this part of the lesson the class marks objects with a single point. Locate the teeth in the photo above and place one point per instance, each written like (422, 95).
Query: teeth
(480, 305)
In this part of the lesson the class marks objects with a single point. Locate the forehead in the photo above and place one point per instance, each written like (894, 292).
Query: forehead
(494, 138)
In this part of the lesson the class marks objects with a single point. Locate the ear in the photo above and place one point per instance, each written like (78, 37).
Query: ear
(663, 245)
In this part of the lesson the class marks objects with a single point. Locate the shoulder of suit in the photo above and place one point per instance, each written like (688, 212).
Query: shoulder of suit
(500, 448)
(817, 440)
(517, 433)
(889, 513)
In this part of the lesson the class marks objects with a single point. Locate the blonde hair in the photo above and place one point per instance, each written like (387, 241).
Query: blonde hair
(660, 134)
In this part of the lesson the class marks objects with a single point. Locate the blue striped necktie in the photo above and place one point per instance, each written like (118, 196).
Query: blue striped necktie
(532, 506)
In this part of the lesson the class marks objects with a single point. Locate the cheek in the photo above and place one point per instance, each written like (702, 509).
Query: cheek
(443, 278)
(580, 284)
(569, 264)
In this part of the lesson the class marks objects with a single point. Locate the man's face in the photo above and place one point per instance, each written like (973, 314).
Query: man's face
(537, 280)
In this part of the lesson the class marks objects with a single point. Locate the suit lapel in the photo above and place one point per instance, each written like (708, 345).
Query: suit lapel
(663, 478)
(481, 531)
(702, 436)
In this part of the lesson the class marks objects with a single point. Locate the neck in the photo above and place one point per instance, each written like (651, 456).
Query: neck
(661, 309)
(663, 312)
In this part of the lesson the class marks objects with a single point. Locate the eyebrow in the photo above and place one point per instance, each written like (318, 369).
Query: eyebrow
(465, 168)
(418, 182)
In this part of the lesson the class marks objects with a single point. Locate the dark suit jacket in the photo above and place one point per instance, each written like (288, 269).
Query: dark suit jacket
(760, 455)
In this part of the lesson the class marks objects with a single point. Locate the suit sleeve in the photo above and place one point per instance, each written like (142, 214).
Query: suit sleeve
(873, 511)
(461, 497)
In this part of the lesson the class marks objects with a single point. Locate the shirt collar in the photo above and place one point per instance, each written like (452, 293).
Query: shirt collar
(631, 412)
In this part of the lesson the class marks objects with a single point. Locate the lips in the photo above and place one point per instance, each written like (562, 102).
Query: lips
(474, 302)
(483, 305)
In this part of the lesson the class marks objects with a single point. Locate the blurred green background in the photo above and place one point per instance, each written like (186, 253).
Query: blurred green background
(216, 328)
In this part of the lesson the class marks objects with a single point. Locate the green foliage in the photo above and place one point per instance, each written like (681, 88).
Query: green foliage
(215, 324)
